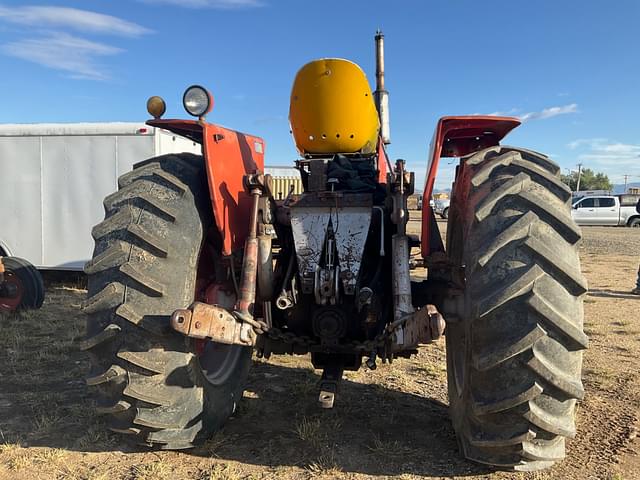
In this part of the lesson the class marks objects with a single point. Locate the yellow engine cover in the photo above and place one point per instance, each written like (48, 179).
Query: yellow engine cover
(332, 109)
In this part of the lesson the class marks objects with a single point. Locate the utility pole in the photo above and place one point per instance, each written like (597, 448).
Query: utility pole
(626, 177)
(579, 174)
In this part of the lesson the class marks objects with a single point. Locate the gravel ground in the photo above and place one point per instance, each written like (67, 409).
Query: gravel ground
(610, 241)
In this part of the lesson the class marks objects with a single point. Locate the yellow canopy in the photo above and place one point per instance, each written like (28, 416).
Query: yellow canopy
(332, 109)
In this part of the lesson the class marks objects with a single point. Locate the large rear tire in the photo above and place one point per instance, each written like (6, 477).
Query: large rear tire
(515, 355)
(153, 383)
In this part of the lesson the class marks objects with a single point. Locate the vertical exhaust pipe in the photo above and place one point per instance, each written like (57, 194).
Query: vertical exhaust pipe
(381, 96)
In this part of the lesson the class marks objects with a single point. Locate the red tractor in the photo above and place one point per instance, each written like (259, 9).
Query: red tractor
(197, 264)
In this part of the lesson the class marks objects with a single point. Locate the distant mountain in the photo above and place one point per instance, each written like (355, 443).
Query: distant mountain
(619, 187)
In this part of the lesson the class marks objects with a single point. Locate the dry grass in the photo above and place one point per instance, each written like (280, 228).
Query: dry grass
(307, 385)
(390, 448)
(97, 437)
(156, 470)
(309, 429)
(14, 456)
(215, 443)
(222, 471)
(50, 456)
(325, 465)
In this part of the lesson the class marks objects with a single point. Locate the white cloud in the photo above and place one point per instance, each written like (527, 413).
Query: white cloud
(541, 115)
(622, 149)
(64, 52)
(613, 158)
(55, 47)
(71, 18)
(549, 112)
(217, 4)
(580, 142)
(508, 113)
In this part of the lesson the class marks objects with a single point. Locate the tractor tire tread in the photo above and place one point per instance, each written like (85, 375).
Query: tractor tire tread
(144, 374)
(524, 311)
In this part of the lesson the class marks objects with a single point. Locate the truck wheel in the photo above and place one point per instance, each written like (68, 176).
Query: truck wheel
(514, 351)
(634, 222)
(22, 287)
(445, 213)
(155, 385)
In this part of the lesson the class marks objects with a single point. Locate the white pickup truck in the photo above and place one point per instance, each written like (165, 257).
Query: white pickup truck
(604, 210)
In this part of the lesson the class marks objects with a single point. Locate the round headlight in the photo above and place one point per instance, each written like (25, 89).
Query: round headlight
(156, 106)
(197, 101)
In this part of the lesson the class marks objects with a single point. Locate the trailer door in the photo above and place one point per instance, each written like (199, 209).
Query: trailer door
(78, 172)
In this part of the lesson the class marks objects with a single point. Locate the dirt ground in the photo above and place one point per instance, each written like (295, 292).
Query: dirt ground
(391, 422)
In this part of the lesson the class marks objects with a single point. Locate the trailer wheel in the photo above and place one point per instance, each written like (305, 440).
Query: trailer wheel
(155, 385)
(514, 355)
(22, 287)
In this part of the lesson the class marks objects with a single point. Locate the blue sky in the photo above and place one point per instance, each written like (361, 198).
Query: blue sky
(571, 69)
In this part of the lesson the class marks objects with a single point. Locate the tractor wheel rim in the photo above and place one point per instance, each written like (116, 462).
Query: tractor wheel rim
(11, 304)
(218, 361)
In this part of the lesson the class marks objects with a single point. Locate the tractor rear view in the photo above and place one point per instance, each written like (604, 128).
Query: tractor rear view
(197, 264)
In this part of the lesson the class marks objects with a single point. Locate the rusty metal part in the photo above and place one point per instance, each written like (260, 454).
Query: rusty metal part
(247, 287)
(212, 322)
(302, 344)
(423, 326)
(247, 296)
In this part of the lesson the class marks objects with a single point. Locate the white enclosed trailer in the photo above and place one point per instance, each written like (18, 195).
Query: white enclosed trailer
(54, 177)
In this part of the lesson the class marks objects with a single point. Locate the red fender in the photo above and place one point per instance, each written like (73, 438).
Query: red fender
(457, 137)
(228, 155)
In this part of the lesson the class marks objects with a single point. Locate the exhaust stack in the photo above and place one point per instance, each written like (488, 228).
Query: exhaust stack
(381, 96)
